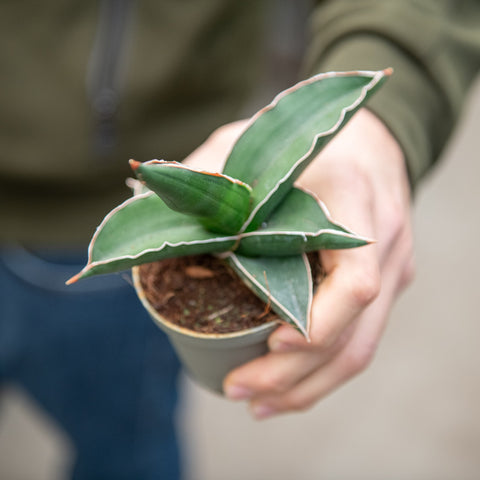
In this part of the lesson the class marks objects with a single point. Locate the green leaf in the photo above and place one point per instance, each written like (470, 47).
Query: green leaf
(300, 224)
(286, 135)
(143, 229)
(285, 283)
(221, 203)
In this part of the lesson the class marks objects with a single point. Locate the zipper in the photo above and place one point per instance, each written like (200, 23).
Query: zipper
(106, 71)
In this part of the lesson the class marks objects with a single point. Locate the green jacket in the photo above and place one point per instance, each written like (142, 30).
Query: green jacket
(87, 85)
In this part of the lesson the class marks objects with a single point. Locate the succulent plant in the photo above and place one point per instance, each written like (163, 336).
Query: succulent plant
(251, 214)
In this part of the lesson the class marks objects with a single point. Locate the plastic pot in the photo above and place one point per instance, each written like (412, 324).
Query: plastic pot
(208, 358)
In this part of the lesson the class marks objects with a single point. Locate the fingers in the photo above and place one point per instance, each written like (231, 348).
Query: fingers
(347, 289)
(350, 308)
(351, 283)
(352, 359)
(277, 372)
(353, 353)
(273, 373)
(297, 378)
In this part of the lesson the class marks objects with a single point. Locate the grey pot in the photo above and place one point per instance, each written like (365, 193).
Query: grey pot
(208, 358)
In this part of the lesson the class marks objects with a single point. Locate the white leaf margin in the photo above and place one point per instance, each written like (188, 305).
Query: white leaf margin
(349, 234)
(92, 264)
(376, 77)
(254, 284)
(182, 166)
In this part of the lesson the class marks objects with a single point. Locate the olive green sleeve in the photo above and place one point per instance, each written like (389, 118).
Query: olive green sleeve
(434, 48)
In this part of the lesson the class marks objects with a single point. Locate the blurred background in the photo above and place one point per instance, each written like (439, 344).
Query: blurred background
(414, 414)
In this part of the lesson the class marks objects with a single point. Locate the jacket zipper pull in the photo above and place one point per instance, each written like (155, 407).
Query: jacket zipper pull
(106, 71)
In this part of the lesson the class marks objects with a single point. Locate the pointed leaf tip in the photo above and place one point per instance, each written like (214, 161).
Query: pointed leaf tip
(74, 279)
(134, 164)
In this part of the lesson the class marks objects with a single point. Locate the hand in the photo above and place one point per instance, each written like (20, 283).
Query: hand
(361, 177)
(211, 155)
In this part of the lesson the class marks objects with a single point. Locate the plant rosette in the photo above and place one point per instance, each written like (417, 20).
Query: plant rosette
(251, 215)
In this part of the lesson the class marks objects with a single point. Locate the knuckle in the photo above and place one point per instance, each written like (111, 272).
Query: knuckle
(364, 286)
(359, 359)
(394, 221)
(321, 338)
(219, 132)
(268, 382)
(227, 132)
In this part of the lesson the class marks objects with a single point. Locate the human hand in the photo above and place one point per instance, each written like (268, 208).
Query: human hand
(212, 154)
(361, 176)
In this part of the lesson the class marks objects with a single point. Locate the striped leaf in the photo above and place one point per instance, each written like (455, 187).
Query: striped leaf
(286, 135)
(300, 224)
(143, 229)
(284, 283)
(221, 203)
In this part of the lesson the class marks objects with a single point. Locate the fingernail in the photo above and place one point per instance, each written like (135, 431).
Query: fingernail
(237, 392)
(263, 411)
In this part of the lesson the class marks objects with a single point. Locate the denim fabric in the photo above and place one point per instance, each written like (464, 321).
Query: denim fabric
(91, 357)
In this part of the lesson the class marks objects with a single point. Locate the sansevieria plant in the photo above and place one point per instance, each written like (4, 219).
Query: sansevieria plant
(251, 215)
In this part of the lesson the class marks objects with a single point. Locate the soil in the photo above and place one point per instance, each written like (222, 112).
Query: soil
(202, 293)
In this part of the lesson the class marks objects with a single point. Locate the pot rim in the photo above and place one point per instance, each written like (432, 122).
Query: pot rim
(186, 331)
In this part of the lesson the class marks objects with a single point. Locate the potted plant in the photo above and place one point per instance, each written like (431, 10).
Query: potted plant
(251, 217)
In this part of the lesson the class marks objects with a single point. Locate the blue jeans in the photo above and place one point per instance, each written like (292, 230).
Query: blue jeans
(91, 357)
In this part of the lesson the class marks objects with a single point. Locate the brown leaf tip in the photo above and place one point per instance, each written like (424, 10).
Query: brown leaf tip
(134, 164)
(74, 279)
